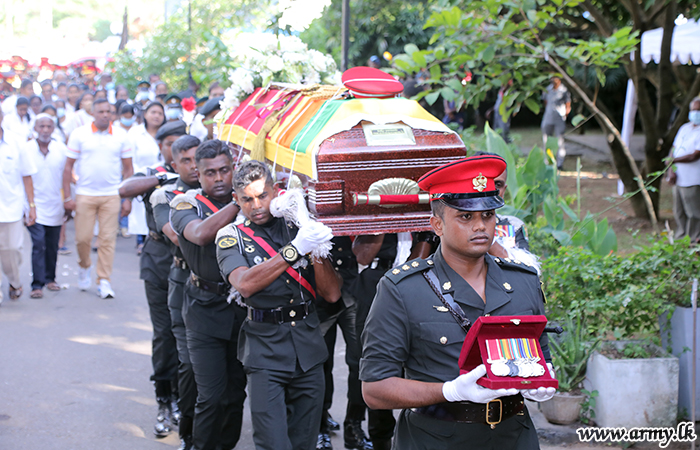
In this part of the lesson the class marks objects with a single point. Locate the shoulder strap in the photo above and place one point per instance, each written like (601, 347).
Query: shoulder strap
(270, 251)
(448, 301)
(206, 201)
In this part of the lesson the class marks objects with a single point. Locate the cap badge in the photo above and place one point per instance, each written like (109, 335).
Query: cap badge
(479, 182)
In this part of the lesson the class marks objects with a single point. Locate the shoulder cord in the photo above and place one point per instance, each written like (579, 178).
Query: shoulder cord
(447, 300)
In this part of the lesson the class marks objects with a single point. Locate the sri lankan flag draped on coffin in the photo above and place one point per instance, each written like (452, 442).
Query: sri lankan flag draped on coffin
(287, 126)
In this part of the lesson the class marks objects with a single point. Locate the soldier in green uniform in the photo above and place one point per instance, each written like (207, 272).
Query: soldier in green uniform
(155, 265)
(282, 349)
(412, 340)
(183, 150)
(212, 322)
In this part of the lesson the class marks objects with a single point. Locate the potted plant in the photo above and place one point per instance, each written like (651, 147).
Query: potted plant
(570, 353)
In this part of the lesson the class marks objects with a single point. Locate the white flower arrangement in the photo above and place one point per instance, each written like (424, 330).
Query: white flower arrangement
(263, 58)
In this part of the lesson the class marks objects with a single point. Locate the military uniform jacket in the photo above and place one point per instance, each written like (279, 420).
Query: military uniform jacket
(405, 330)
(267, 345)
(204, 312)
(156, 257)
(160, 202)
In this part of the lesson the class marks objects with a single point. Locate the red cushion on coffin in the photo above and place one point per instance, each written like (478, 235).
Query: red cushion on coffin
(366, 82)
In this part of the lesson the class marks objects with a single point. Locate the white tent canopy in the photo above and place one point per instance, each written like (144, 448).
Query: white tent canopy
(685, 48)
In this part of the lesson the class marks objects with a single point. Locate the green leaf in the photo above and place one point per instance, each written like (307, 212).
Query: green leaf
(419, 58)
(432, 97)
(578, 118)
(410, 49)
(532, 105)
(488, 54)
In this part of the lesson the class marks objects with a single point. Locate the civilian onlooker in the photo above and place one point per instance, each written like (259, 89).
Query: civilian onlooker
(60, 76)
(47, 94)
(104, 158)
(126, 115)
(122, 93)
(35, 103)
(58, 133)
(146, 152)
(161, 91)
(74, 93)
(62, 91)
(100, 93)
(61, 111)
(83, 114)
(19, 121)
(685, 179)
(215, 90)
(557, 105)
(26, 90)
(16, 184)
(48, 155)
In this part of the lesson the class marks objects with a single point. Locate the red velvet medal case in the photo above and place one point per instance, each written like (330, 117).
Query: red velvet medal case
(509, 341)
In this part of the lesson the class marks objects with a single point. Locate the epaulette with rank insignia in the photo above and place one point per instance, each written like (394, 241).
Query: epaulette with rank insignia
(398, 273)
(186, 200)
(159, 195)
(515, 264)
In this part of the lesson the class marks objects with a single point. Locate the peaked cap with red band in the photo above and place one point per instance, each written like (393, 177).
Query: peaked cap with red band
(366, 82)
(467, 184)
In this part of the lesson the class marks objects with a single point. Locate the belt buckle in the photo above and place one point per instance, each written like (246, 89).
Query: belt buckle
(500, 413)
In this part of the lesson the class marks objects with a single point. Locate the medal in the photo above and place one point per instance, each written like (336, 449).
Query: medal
(514, 357)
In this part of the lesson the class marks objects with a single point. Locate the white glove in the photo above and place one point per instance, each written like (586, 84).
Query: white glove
(310, 236)
(541, 394)
(464, 388)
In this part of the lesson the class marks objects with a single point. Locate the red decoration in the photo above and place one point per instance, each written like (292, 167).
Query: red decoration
(366, 82)
(188, 104)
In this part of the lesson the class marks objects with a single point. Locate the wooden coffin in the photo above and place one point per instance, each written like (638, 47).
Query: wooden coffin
(348, 172)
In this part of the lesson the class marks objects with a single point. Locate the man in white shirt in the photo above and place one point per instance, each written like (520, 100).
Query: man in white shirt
(26, 90)
(16, 172)
(49, 157)
(105, 157)
(557, 105)
(685, 156)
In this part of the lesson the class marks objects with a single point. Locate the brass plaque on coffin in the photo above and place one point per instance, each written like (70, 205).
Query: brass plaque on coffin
(390, 134)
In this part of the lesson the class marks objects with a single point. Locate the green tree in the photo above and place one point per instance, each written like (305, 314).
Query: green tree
(529, 40)
(376, 26)
(172, 51)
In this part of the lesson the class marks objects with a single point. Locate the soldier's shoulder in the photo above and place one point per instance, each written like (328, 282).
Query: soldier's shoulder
(186, 200)
(227, 237)
(163, 194)
(510, 264)
(408, 269)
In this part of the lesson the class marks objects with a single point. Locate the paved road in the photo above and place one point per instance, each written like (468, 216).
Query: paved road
(74, 369)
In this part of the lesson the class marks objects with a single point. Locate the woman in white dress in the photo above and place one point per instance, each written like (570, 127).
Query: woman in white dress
(82, 115)
(146, 154)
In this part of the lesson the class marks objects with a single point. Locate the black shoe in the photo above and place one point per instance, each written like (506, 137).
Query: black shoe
(324, 442)
(332, 424)
(355, 437)
(163, 425)
(186, 443)
(176, 415)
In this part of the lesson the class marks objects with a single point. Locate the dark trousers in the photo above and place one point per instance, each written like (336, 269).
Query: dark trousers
(221, 381)
(44, 253)
(187, 388)
(345, 319)
(285, 407)
(164, 354)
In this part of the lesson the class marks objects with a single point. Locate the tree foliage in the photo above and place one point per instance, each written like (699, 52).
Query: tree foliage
(172, 51)
(376, 26)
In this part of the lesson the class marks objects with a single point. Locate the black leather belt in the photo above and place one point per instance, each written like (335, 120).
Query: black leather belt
(155, 236)
(491, 413)
(209, 286)
(180, 263)
(280, 315)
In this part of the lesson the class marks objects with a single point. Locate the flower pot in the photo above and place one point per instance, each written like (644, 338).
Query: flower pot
(564, 408)
(678, 335)
(634, 392)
